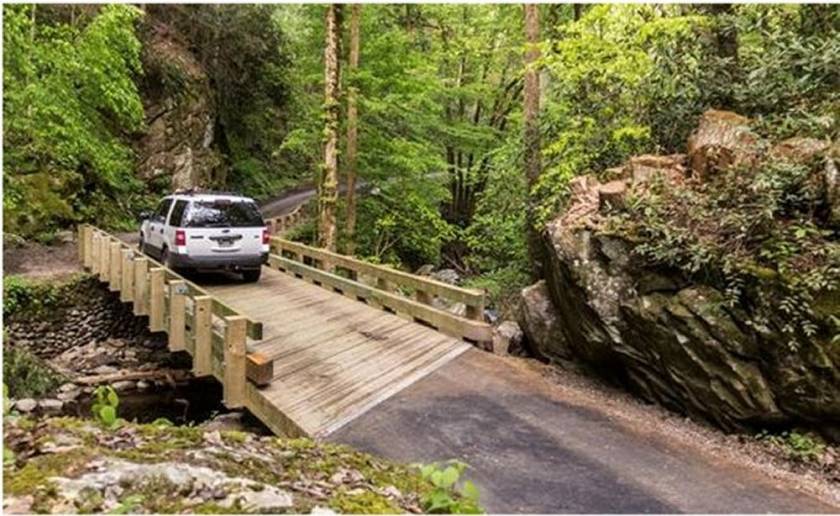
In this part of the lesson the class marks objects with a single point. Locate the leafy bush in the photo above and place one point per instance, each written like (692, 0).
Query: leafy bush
(32, 297)
(27, 375)
(446, 497)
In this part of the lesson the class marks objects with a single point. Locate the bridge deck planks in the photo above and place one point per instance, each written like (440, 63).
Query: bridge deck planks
(335, 358)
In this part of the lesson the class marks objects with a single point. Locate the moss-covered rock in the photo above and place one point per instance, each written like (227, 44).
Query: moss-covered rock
(72, 465)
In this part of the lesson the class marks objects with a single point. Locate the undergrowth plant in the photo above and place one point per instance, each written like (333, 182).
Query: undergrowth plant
(797, 445)
(104, 409)
(447, 497)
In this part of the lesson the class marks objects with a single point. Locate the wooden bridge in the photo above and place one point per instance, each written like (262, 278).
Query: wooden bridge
(317, 342)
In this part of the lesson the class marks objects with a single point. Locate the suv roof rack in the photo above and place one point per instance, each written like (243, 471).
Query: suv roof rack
(200, 191)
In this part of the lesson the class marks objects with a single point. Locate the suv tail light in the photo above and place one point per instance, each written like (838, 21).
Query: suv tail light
(266, 236)
(180, 237)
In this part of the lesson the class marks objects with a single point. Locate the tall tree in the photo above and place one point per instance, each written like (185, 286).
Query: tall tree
(531, 110)
(352, 128)
(328, 191)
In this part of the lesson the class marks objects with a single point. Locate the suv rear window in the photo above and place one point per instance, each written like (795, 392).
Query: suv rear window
(177, 216)
(223, 213)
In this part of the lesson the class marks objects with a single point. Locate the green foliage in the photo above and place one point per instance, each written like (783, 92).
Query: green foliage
(27, 375)
(801, 446)
(69, 102)
(104, 409)
(36, 298)
(446, 497)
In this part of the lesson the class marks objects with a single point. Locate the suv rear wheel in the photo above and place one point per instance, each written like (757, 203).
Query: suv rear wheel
(252, 275)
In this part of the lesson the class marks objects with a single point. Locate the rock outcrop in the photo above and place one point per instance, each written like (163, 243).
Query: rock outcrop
(668, 337)
(180, 113)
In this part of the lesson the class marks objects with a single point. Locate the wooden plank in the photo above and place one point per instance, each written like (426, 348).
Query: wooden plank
(203, 353)
(234, 373)
(177, 313)
(88, 234)
(271, 415)
(116, 267)
(156, 293)
(141, 286)
(127, 283)
(394, 387)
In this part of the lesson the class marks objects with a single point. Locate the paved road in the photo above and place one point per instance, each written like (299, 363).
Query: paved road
(531, 450)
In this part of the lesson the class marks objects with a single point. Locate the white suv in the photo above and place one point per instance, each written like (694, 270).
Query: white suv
(206, 231)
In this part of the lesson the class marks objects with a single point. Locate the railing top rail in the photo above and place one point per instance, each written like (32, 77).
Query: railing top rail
(467, 296)
(254, 328)
(292, 213)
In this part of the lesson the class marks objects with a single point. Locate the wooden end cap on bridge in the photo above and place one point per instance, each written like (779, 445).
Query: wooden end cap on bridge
(259, 369)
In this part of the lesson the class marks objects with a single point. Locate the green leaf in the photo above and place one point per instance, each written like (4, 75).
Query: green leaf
(470, 491)
(449, 477)
(108, 415)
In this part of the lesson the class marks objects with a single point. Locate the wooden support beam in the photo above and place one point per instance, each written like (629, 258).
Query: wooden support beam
(116, 267)
(234, 373)
(177, 312)
(141, 286)
(156, 301)
(127, 282)
(202, 326)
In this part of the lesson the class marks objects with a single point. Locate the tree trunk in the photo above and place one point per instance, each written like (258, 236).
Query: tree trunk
(329, 178)
(352, 129)
(531, 142)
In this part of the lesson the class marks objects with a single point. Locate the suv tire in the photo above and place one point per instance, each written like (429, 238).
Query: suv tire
(252, 276)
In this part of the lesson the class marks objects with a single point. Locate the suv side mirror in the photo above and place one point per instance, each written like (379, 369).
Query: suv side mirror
(144, 215)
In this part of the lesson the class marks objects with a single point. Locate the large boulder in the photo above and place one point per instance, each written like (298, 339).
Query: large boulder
(672, 342)
(723, 139)
(675, 338)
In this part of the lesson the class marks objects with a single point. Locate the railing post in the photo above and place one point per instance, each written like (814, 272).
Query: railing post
(80, 243)
(87, 239)
(94, 252)
(116, 267)
(475, 312)
(141, 286)
(104, 258)
(156, 301)
(127, 281)
(202, 325)
(177, 308)
(234, 374)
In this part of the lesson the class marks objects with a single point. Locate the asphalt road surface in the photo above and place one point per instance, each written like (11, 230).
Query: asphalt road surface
(531, 450)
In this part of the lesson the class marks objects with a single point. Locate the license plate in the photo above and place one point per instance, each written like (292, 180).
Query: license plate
(225, 243)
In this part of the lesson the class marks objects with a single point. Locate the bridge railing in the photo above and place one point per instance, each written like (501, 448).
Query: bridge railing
(415, 297)
(195, 321)
(282, 223)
